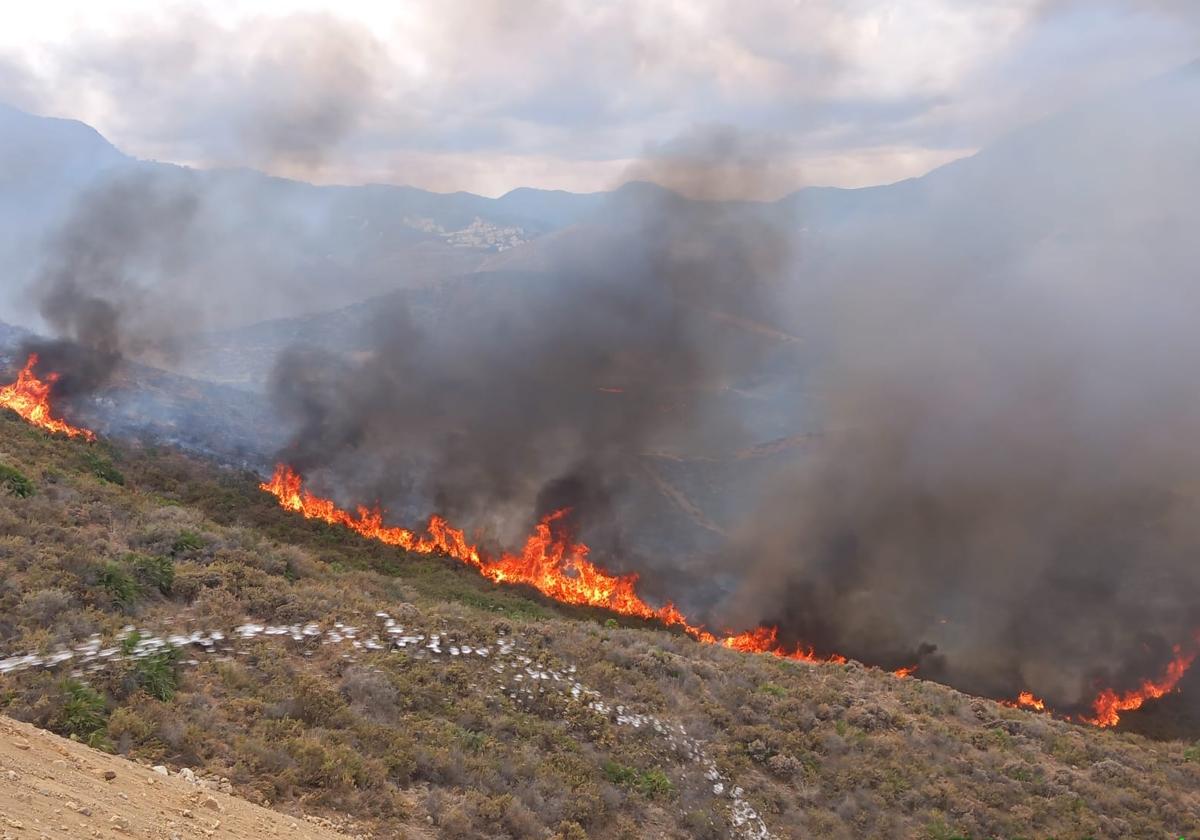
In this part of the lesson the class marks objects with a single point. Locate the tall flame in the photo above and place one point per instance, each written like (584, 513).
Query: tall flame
(549, 562)
(29, 397)
(1026, 700)
(1109, 705)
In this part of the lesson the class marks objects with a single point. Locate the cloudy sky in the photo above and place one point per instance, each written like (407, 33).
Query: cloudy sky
(487, 95)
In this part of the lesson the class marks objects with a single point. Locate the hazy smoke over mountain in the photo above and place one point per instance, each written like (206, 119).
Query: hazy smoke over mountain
(1009, 470)
(1004, 485)
(146, 254)
(532, 391)
(106, 287)
(1010, 475)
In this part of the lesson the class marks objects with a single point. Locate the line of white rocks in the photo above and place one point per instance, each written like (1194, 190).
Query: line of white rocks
(525, 680)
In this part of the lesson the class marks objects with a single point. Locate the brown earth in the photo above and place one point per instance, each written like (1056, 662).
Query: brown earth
(51, 787)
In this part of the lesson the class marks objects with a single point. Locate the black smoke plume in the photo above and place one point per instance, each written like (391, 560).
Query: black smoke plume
(525, 392)
(105, 289)
(1002, 485)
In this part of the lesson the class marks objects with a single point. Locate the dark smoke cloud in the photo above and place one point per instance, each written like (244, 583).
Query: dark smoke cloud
(720, 162)
(149, 254)
(531, 391)
(105, 289)
(1004, 484)
(1000, 483)
(1009, 467)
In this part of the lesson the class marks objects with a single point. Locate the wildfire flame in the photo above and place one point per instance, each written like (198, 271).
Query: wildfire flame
(1109, 705)
(29, 397)
(559, 568)
(1026, 700)
(549, 562)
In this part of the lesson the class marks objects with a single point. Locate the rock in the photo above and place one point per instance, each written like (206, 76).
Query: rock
(187, 775)
(109, 775)
(21, 744)
(210, 803)
(118, 822)
(161, 770)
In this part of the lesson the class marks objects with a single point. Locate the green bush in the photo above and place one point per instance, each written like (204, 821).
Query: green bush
(84, 711)
(649, 783)
(618, 773)
(130, 643)
(103, 468)
(654, 783)
(14, 483)
(773, 689)
(187, 541)
(153, 572)
(157, 675)
(121, 588)
(84, 715)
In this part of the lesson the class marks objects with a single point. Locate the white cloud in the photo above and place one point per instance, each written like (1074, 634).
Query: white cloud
(481, 94)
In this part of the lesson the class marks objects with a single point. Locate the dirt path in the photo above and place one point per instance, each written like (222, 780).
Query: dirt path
(54, 788)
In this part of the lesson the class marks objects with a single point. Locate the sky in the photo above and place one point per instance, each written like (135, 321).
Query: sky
(487, 95)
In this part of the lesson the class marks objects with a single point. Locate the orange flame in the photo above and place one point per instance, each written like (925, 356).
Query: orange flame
(1026, 700)
(30, 398)
(549, 562)
(1109, 705)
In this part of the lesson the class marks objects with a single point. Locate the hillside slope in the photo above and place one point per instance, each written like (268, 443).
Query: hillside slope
(56, 788)
(167, 610)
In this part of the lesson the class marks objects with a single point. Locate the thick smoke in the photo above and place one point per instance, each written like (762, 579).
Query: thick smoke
(532, 391)
(146, 255)
(1009, 470)
(1007, 477)
(105, 287)
(1002, 483)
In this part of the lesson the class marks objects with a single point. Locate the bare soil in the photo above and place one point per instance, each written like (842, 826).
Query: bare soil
(51, 787)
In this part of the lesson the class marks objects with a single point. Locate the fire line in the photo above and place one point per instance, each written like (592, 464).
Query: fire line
(29, 397)
(549, 562)
(560, 569)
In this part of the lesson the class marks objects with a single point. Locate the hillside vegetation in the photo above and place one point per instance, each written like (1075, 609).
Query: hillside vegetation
(402, 696)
